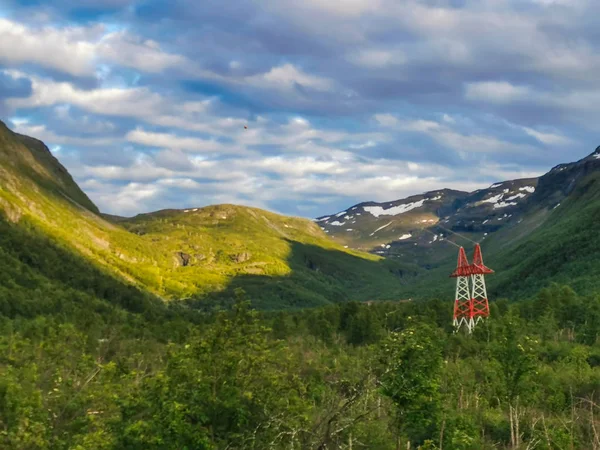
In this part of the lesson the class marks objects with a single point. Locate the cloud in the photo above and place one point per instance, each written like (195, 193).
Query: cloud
(134, 102)
(445, 135)
(377, 58)
(124, 199)
(548, 138)
(287, 77)
(68, 49)
(343, 101)
(42, 133)
(133, 51)
(76, 50)
(171, 141)
(496, 92)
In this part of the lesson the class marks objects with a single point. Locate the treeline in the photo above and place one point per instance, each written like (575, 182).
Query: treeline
(348, 376)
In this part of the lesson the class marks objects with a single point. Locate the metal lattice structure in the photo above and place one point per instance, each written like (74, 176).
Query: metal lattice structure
(462, 305)
(480, 308)
(471, 302)
(462, 299)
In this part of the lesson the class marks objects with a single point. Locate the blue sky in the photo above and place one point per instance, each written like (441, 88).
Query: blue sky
(145, 102)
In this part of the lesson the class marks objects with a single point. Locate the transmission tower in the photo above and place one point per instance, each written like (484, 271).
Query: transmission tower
(480, 308)
(462, 302)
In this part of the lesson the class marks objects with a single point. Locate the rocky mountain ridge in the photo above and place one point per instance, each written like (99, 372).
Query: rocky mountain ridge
(416, 227)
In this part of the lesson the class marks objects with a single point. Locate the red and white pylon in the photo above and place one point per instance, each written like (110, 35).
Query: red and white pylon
(462, 299)
(480, 308)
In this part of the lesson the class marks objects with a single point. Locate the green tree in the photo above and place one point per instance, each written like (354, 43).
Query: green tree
(411, 378)
(515, 353)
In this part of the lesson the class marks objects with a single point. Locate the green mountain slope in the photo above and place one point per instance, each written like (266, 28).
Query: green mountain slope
(202, 254)
(555, 239)
(280, 261)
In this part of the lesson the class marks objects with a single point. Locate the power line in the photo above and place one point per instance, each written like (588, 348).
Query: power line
(445, 240)
(454, 232)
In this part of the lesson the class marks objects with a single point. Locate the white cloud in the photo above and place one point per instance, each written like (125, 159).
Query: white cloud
(132, 102)
(287, 76)
(68, 49)
(300, 166)
(172, 141)
(140, 103)
(501, 92)
(548, 138)
(78, 50)
(448, 137)
(386, 120)
(421, 53)
(50, 138)
(574, 104)
(132, 51)
(128, 200)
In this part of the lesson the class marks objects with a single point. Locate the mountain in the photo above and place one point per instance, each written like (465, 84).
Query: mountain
(533, 231)
(425, 221)
(200, 254)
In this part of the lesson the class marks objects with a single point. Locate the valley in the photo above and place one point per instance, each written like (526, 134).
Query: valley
(299, 225)
(240, 328)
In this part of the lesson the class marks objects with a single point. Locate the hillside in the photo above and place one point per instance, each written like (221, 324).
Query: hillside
(533, 232)
(416, 227)
(92, 359)
(200, 254)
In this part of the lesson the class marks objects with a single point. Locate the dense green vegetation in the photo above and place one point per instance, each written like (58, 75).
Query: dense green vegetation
(282, 262)
(88, 362)
(560, 245)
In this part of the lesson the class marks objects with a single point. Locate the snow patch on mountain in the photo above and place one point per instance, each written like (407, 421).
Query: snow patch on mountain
(336, 223)
(494, 199)
(405, 236)
(393, 211)
(380, 228)
(504, 204)
(529, 189)
(499, 202)
(516, 196)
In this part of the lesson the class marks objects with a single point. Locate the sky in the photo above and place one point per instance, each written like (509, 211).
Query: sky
(146, 102)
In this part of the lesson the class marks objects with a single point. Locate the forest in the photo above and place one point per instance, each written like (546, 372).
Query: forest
(88, 362)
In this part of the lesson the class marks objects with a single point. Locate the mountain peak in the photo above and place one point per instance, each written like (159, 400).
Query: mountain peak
(27, 158)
